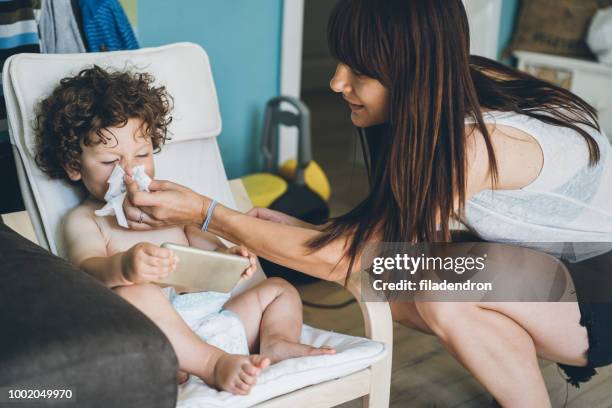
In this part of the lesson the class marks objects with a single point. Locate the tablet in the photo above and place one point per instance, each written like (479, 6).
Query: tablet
(205, 270)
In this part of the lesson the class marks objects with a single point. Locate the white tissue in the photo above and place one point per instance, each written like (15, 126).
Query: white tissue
(116, 192)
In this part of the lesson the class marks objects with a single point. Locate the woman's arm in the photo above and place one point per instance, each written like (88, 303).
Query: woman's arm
(281, 218)
(202, 240)
(282, 244)
(171, 204)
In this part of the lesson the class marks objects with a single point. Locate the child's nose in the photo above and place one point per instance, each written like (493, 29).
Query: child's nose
(126, 165)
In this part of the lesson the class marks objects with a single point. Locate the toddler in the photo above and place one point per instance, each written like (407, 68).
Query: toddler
(98, 120)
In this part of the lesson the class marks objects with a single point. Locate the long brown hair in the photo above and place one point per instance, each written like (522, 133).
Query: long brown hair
(419, 50)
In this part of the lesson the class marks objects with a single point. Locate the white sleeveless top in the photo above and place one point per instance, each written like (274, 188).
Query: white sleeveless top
(568, 202)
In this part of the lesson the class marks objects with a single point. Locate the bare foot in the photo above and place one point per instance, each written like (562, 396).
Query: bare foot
(236, 373)
(181, 377)
(280, 349)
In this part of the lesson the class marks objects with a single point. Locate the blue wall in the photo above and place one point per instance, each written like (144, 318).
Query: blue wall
(242, 39)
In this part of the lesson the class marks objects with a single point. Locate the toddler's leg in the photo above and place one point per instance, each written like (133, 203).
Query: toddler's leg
(233, 373)
(272, 315)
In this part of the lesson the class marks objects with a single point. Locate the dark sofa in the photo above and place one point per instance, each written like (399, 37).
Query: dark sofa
(62, 329)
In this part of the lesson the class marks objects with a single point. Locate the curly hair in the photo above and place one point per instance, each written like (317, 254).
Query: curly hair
(82, 106)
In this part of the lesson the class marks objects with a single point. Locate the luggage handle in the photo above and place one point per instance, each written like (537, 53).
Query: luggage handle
(274, 117)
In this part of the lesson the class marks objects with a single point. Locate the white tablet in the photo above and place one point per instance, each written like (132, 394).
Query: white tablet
(205, 270)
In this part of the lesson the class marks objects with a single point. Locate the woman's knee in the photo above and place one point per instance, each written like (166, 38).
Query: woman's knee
(444, 318)
(407, 314)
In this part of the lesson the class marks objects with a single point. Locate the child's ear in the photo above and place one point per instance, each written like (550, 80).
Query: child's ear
(74, 175)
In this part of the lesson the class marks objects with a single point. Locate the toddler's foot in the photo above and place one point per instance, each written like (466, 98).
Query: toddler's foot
(280, 349)
(236, 373)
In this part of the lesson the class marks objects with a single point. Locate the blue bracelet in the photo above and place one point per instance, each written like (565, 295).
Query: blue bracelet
(209, 213)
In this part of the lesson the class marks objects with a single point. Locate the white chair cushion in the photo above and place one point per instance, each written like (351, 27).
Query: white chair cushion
(352, 354)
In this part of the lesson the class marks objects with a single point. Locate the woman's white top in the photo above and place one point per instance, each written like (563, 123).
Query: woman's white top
(568, 202)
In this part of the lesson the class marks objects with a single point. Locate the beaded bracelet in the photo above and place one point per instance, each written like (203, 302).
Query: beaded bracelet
(209, 213)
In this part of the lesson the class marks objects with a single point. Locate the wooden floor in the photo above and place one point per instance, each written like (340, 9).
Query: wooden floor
(424, 374)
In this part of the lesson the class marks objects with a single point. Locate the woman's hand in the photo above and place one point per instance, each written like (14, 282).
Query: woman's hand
(166, 205)
(278, 217)
(242, 251)
(145, 262)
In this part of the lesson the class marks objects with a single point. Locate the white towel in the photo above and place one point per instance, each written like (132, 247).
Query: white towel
(116, 192)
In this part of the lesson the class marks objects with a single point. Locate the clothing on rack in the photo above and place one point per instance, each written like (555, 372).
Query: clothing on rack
(18, 33)
(59, 31)
(106, 26)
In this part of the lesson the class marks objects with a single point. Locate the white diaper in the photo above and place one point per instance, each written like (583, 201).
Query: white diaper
(204, 314)
(116, 192)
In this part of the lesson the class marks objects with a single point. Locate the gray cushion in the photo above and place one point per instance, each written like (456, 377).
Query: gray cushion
(62, 328)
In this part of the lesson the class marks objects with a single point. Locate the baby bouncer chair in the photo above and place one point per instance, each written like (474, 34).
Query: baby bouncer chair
(362, 366)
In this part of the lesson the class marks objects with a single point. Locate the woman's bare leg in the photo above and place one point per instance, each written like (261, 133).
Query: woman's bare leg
(499, 343)
(407, 314)
(272, 315)
(233, 373)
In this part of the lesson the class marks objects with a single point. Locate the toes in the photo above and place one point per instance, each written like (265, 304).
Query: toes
(236, 391)
(260, 361)
(250, 369)
(242, 387)
(247, 379)
(236, 387)
(317, 351)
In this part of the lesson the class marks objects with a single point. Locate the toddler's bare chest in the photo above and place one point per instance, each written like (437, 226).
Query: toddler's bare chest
(119, 239)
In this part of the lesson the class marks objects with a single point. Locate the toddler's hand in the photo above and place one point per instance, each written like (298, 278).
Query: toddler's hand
(146, 262)
(242, 251)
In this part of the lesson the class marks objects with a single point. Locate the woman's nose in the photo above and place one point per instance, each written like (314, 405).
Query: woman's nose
(340, 82)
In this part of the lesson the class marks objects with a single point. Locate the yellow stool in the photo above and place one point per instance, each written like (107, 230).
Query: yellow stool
(314, 177)
(264, 188)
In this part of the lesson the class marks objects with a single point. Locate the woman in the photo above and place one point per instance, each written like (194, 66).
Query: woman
(441, 132)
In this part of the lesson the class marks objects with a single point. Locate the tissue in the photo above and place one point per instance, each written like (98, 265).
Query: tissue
(116, 192)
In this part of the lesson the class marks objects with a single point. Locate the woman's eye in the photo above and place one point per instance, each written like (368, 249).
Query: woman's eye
(108, 163)
(356, 73)
(142, 156)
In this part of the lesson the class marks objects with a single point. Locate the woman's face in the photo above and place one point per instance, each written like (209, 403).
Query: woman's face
(367, 98)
